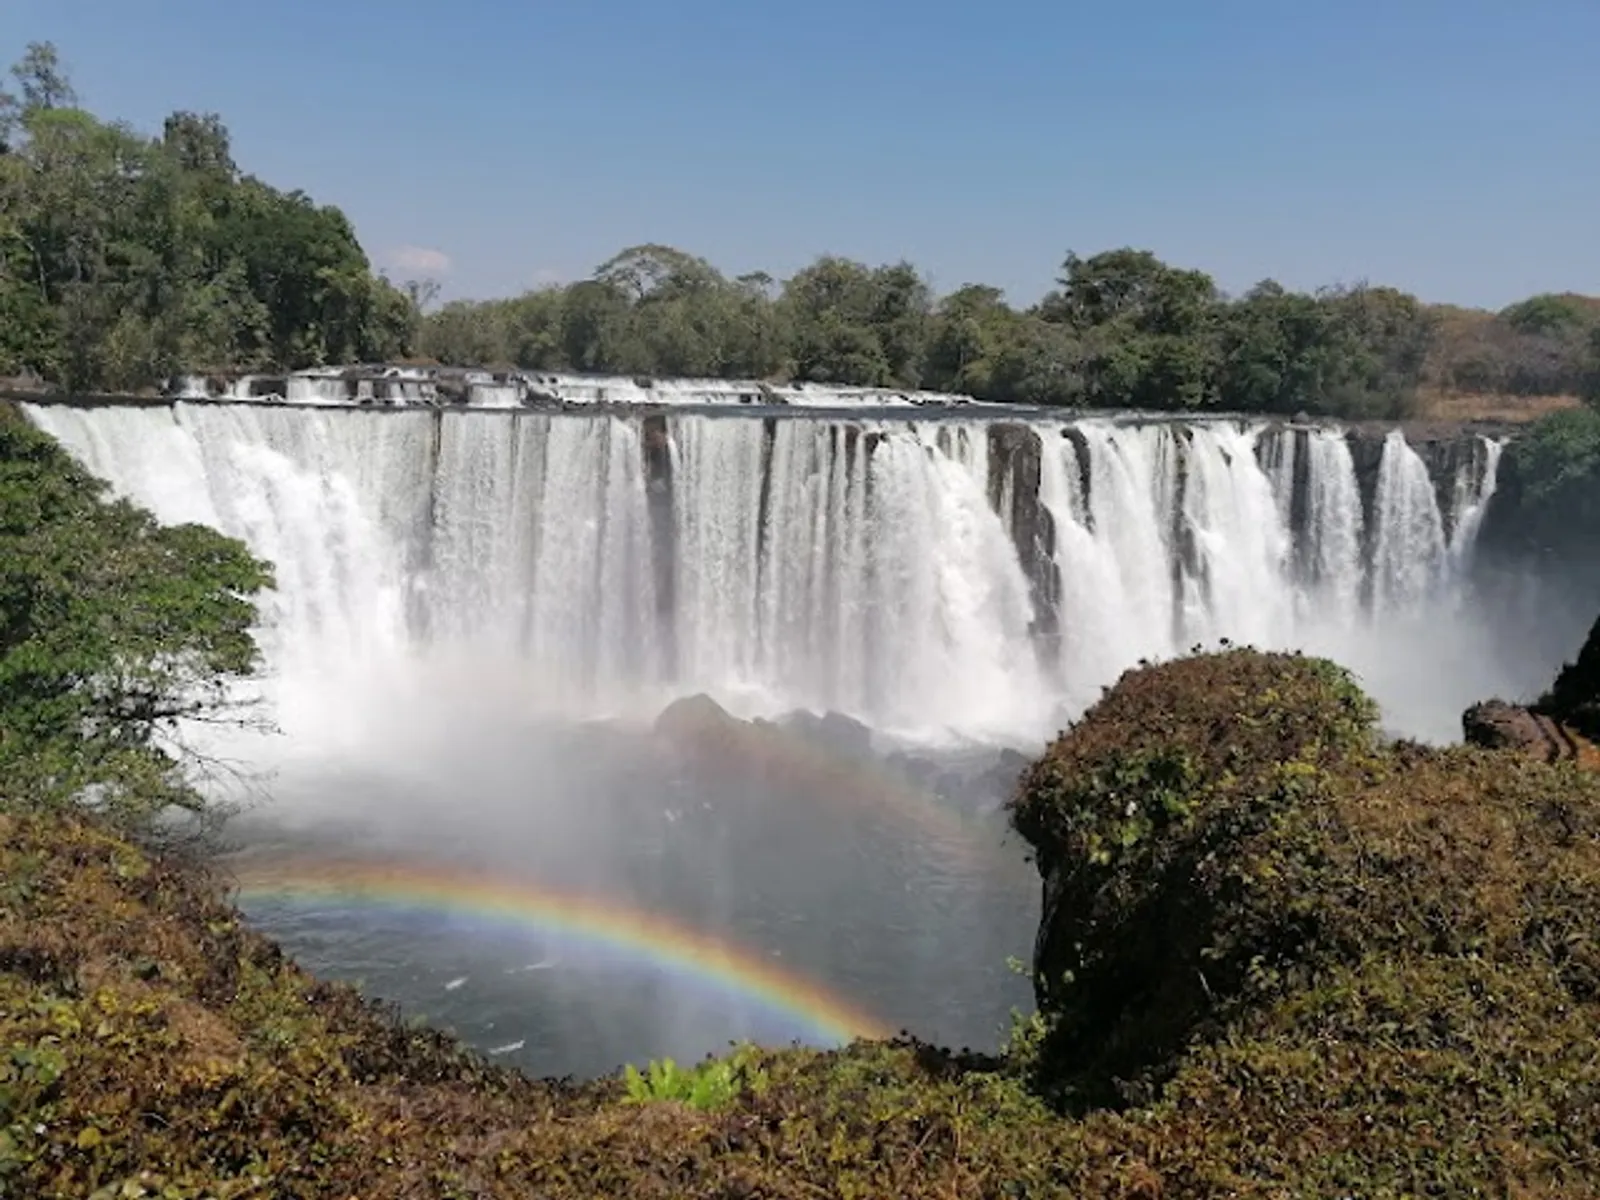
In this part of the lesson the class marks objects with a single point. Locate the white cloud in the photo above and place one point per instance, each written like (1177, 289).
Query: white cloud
(545, 276)
(419, 259)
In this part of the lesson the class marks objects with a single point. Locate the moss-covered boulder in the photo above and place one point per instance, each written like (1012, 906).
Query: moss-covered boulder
(1236, 872)
(1172, 828)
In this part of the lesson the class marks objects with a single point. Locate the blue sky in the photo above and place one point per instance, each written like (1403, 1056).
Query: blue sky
(1451, 148)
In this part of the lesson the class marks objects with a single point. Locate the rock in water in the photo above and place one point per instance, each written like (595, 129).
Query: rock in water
(837, 732)
(698, 722)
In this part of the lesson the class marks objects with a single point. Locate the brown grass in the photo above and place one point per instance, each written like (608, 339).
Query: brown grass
(1435, 405)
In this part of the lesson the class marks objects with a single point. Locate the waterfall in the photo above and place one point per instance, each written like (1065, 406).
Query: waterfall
(1334, 525)
(603, 562)
(1411, 549)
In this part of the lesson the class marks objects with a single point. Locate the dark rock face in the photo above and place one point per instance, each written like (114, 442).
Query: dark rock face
(1014, 468)
(1563, 725)
(1574, 698)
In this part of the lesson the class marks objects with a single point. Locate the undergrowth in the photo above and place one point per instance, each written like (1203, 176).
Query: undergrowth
(708, 1086)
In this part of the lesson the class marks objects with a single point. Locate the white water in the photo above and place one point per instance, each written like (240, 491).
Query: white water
(479, 559)
(334, 387)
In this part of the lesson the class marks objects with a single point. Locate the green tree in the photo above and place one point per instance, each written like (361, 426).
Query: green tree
(113, 631)
(1274, 351)
(851, 324)
(1589, 381)
(1150, 331)
(1378, 342)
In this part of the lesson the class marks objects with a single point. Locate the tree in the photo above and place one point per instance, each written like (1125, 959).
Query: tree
(200, 143)
(1149, 330)
(43, 80)
(852, 324)
(1589, 383)
(114, 630)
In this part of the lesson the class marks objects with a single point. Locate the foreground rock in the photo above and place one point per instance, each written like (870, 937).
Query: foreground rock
(1257, 916)
(1496, 725)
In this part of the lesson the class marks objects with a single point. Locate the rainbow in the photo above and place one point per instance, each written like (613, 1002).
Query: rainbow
(642, 937)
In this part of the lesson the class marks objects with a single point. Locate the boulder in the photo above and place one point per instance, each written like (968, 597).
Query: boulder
(1496, 725)
(837, 732)
(1243, 881)
(1168, 828)
(698, 722)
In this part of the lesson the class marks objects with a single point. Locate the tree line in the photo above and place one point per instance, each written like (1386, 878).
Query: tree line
(1122, 329)
(126, 259)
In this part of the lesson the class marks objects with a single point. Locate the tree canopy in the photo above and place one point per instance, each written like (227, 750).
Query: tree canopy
(113, 630)
(125, 259)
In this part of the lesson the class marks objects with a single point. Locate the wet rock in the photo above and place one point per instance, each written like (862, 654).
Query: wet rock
(698, 721)
(837, 732)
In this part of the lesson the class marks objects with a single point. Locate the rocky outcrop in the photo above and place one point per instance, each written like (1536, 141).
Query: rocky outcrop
(1574, 698)
(1140, 818)
(699, 723)
(1496, 725)
(1241, 879)
(1563, 726)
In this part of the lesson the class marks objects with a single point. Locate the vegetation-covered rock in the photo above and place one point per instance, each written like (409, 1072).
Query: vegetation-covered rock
(1169, 828)
(1376, 966)
(1545, 517)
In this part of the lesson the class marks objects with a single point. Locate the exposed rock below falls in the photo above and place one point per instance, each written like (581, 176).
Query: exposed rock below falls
(835, 752)
(835, 731)
(694, 721)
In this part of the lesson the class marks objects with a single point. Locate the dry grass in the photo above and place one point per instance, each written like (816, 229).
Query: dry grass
(1466, 407)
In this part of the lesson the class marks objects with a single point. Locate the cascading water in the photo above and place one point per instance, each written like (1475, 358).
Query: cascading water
(856, 565)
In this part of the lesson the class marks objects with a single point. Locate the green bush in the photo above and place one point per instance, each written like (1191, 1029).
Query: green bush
(114, 630)
(713, 1084)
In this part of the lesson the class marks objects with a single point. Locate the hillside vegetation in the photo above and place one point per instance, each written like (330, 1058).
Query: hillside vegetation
(1302, 964)
(125, 259)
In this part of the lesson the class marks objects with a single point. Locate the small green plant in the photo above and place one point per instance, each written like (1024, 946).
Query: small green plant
(713, 1084)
